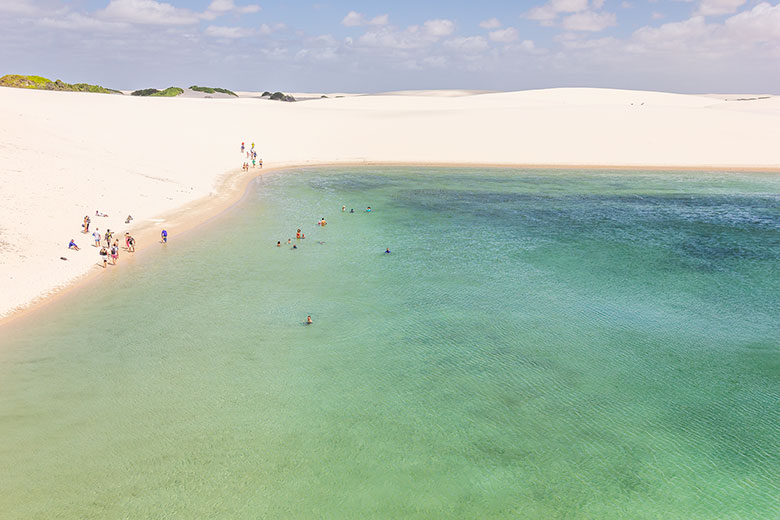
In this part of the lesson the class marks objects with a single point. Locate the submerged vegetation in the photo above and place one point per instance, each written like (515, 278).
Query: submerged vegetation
(153, 92)
(211, 90)
(41, 83)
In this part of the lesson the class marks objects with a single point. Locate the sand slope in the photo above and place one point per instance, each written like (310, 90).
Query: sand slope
(64, 155)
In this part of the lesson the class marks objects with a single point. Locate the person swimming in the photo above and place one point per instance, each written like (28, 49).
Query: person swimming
(387, 251)
(295, 246)
(352, 210)
(279, 243)
(298, 234)
(368, 209)
(308, 320)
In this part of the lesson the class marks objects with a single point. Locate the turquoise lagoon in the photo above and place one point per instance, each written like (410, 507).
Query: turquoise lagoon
(539, 344)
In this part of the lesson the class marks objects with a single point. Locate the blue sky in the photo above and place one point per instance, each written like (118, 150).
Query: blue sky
(370, 46)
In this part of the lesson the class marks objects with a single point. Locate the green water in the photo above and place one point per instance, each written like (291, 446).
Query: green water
(541, 345)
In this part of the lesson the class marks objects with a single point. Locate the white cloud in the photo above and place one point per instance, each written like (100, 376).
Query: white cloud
(221, 7)
(231, 33)
(492, 23)
(20, 7)
(626, 5)
(504, 35)
(147, 12)
(382, 19)
(78, 21)
(266, 29)
(569, 6)
(439, 27)
(657, 16)
(547, 14)
(467, 45)
(355, 19)
(589, 21)
(715, 7)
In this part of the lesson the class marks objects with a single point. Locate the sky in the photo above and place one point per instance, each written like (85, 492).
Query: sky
(686, 46)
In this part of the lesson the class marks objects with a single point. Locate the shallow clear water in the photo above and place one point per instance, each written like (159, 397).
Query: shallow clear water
(539, 344)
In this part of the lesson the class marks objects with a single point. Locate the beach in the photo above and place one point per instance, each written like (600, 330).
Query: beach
(176, 162)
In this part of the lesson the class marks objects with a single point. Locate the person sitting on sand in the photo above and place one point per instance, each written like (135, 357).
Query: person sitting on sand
(128, 219)
(72, 245)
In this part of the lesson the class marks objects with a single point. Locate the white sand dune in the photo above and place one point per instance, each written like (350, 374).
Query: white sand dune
(65, 155)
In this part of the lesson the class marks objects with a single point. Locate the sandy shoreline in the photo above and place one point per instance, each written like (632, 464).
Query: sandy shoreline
(234, 186)
(64, 155)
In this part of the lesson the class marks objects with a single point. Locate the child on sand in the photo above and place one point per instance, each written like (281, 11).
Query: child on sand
(72, 245)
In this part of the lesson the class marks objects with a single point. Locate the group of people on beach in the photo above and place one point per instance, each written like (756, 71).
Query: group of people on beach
(111, 247)
(252, 155)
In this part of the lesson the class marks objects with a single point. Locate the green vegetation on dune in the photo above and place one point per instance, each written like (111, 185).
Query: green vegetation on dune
(281, 96)
(211, 90)
(41, 83)
(153, 92)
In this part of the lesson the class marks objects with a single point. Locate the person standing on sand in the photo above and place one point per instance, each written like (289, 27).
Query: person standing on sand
(131, 244)
(104, 256)
(164, 236)
(114, 252)
(242, 147)
(96, 236)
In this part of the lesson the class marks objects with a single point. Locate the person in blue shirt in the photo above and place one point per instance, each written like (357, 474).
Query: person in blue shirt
(164, 236)
(387, 251)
